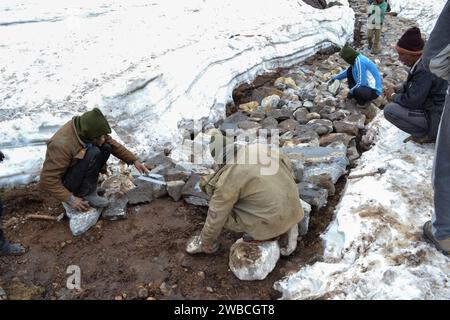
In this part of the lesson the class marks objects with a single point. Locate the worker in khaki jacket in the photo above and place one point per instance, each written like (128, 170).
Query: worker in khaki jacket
(247, 197)
(76, 154)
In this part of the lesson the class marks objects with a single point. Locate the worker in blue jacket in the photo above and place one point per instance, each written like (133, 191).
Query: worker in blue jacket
(363, 77)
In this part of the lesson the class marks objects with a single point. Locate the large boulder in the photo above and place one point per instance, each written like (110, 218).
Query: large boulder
(253, 261)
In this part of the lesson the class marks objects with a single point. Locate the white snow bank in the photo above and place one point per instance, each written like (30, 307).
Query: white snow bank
(148, 65)
(425, 13)
(374, 248)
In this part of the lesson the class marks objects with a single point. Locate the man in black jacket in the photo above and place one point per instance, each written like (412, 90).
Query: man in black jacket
(416, 107)
(436, 59)
(7, 248)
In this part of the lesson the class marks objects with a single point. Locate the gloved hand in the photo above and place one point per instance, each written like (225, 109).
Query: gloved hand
(195, 245)
(2, 156)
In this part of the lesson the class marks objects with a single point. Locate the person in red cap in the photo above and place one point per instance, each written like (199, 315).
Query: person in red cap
(416, 106)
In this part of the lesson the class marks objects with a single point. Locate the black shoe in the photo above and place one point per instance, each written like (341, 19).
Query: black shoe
(12, 249)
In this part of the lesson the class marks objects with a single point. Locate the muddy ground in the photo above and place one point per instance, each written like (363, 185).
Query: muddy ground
(118, 258)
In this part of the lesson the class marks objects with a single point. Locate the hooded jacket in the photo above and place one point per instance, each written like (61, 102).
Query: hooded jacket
(424, 91)
(64, 149)
(245, 200)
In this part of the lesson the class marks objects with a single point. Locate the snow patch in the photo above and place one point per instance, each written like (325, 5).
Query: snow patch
(374, 249)
(148, 65)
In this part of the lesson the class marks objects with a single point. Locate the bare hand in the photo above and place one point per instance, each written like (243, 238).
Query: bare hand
(80, 204)
(141, 167)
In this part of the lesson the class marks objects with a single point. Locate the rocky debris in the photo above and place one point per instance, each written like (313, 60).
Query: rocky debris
(269, 123)
(193, 194)
(308, 105)
(116, 188)
(159, 160)
(335, 137)
(297, 167)
(80, 222)
(301, 115)
(189, 167)
(288, 125)
(358, 120)
(303, 225)
(253, 261)
(249, 125)
(139, 195)
(175, 188)
(284, 83)
(334, 87)
(344, 127)
(260, 93)
(321, 126)
(312, 194)
(176, 175)
(249, 107)
(352, 152)
(142, 293)
(323, 181)
(154, 183)
(270, 102)
(117, 208)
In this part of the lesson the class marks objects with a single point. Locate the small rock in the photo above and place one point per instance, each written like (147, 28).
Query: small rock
(117, 208)
(270, 102)
(153, 184)
(333, 137)
(303, 225)
(209, 289)
(289, 125)
(308, 104)
(176, 175)
(260, 93)
(159, 159)
(139, 195)
(142, 293)
(174, 189)
(334, 88)
(301, 115)
(357, 120)
(269, 123)
(312, 116)
(248, 125)
(338, 115)
(312, 194)
(323, 123)
(323, 181)
(249, 107)
(201, 274)
(193, 194)
(343, 127)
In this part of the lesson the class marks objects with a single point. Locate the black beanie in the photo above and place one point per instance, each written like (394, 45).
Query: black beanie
(411, 40)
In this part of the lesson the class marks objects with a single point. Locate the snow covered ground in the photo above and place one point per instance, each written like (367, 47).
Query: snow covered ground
(374, 248)
(425, 13)
(150, 66)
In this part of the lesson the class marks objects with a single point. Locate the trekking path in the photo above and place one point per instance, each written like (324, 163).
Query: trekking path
(372, 250)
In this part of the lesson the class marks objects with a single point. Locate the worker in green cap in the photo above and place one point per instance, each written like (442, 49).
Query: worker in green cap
(263, 205)
(363, 77)
(76, 154)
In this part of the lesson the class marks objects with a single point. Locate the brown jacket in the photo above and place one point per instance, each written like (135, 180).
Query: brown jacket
(64, 149)
(244, 200)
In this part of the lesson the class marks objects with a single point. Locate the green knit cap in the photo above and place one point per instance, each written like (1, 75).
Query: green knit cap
(91, 124)
(348, 54)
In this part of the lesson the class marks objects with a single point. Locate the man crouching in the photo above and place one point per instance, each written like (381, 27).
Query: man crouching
(76, 154)
(246, 200)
